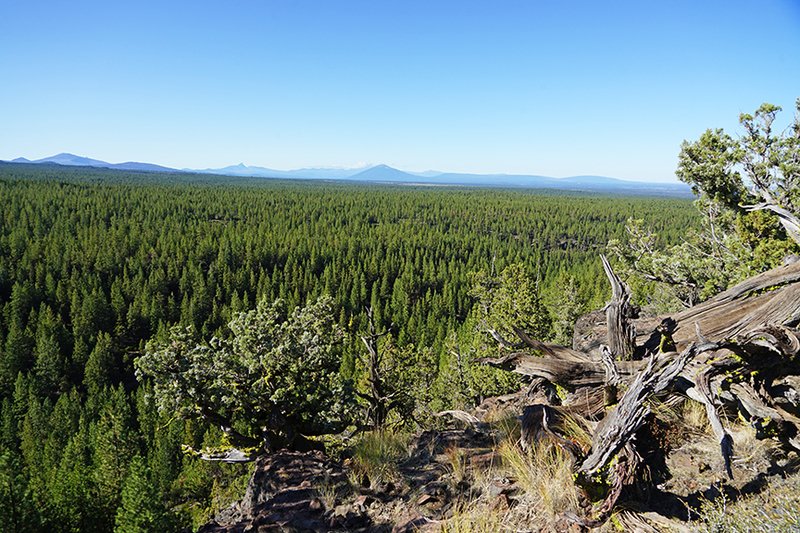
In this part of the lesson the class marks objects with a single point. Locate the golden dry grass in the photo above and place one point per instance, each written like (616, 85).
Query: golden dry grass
(693, 416)
(457, 460)
(376, 454)
(474, 519)
(545, 473)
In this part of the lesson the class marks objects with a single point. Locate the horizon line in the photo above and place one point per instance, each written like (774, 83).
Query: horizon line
(360, 168)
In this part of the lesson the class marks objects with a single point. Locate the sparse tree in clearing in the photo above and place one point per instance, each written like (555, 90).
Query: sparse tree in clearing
(378, 392)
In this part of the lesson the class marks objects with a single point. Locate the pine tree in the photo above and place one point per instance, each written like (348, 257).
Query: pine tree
(567, 307)
(141, 510)
(73, 504)
(18, 512)
(115, 443)
(17, 354)
(51, 364)
(34, 431)
(101, 366)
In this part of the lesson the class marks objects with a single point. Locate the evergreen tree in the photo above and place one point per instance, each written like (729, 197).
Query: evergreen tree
(114, 444)
(17, 353)
(509, 304)
(566, 307)
(51, 364)
(276, 375)
(18, 514)
(101, 367)
(74, 504)
(141, 510)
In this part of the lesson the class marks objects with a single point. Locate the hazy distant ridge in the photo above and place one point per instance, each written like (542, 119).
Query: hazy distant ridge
(79, 161)
(387, 174)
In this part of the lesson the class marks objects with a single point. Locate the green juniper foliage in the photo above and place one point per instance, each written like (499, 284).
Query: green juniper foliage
(275, 376)
(748, 191)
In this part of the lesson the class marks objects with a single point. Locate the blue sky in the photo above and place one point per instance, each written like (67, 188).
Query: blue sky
(554, 88)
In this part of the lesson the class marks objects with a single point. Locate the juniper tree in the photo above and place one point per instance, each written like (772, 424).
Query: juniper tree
(748, 191)
(759, 170)
(273, 379)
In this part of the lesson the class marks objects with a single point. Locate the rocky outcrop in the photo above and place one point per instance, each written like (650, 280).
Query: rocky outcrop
(307, 492)
(292, 491)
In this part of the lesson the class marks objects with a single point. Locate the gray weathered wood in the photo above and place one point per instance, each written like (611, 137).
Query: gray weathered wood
(702, 393)
(620, 333)
(629, 415)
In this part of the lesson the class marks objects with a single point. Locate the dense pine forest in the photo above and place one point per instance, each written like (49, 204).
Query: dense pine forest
(96, 263)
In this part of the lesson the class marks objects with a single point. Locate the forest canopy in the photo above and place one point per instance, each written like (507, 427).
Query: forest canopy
(100, 267)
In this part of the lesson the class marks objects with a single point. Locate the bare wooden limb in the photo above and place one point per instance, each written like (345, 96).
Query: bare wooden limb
(769, 298)
(502, 341)
(463, 416)
(624, 474)
(613, 379)
(700, 337)
(702, 393)
(535, 426)
(377, 397)
(629, 415)
(779, 340)
(768, 420)
(568, 373)
(542, 391)
(786, 392)
(526, 339)
(587, 402)
(621, 333)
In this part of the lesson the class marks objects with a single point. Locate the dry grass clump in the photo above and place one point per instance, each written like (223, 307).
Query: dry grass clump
(328, 493)
(376, 455)
(578, 430)
(694, 417)
(474, 519)
(543, 473)
(506, 424)
(457, 460)
(750, 453)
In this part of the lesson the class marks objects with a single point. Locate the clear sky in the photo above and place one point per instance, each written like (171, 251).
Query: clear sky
(556, 88)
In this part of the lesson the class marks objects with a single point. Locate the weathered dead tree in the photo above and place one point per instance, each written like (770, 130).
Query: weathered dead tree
(738, 351)
(620, 333)
(380, 400)
(702, 393)
(772, 297)
(616, 429)
(613, 379)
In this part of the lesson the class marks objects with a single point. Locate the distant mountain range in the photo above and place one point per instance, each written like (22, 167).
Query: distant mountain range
(260, 172)
(387, 174)
(76, 160)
